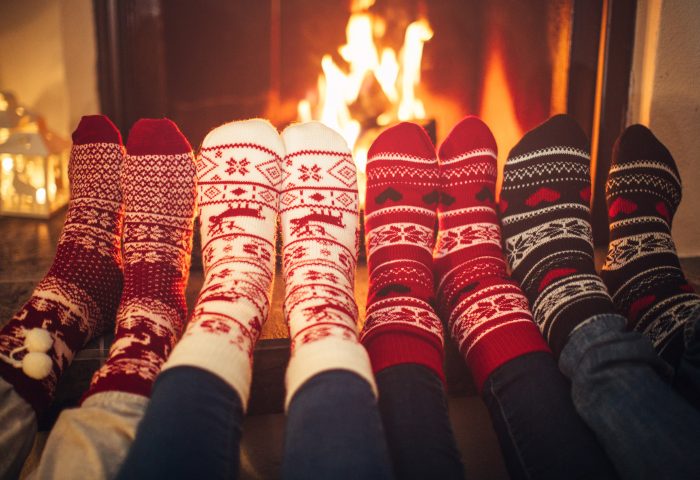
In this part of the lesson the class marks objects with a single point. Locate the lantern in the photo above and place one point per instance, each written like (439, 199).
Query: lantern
(33, 173)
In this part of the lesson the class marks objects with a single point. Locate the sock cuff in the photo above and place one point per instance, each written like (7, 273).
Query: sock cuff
(216, 355)
(395, 345)
(504, 344)
(323, 355)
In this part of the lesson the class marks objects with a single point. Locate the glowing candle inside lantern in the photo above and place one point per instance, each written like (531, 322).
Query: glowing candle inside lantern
(41, 196)
(7, 163)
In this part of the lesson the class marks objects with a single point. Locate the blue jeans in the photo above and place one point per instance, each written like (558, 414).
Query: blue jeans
(621, 389)
(540, 433)
(334, 430)
(413, 407)
(192, 429)
(687, 375)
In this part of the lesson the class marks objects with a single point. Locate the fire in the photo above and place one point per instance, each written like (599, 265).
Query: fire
(498, 110)
(396, 76)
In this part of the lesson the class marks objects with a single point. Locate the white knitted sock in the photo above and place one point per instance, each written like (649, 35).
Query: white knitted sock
(319, 217)
(239, 175)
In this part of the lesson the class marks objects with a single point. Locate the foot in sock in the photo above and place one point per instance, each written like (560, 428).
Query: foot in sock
(547, 230)
(402, 195)
(158, 186)
(239, 175)
(78, 297)
(486, 311)
(641, 270)
(320, 235)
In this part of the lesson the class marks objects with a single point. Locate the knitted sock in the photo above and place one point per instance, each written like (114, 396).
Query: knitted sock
(547, 230)
(79, 295)
(402, 195)
(158, 185)
(320, 236)
(642, 270)
(239, 173)
(486, 311)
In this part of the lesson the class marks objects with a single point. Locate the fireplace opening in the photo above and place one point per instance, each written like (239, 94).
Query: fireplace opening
(361, 65)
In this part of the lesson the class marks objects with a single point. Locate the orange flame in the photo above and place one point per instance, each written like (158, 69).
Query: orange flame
(498, 110)
(396, 75)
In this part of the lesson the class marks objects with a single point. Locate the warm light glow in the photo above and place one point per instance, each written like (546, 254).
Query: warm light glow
(417, 34)
(4, 134)
(396, 76)
(3, 103)
(41, 196)
(7, 163)
(498, 110)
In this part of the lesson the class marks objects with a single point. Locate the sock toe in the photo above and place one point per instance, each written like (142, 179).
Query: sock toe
(253, 131)
(297, 137)
(406, 139)
(469, 134)
(559, 130)
(156, 136)
(96, 129)
(637, 142)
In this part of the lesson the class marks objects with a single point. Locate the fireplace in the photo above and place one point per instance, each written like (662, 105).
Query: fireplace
(513, 63)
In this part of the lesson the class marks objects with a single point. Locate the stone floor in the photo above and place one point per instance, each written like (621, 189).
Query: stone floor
(27, 253)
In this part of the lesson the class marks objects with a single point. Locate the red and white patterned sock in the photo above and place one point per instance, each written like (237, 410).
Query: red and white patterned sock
(642, 270)
(402, 196)
(487, 313)
(320, 235)
(238, 173)
(158, 186)
(79, 295)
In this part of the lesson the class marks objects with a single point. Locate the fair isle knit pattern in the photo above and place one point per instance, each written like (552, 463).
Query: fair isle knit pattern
(487, 313)
(547, 231)
(320, 235)
(78, 297)
(641, 269)
(402, 195)
(239, 175)
(158, 185)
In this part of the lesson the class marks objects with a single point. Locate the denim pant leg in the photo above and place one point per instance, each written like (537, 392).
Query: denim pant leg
(413, 407)
(540, 433)
(334, 430)
(619, 389)
(191, 429)
(687, 380)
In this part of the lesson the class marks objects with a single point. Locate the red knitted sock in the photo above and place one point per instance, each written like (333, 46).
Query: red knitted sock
(486, 311)
(402, 195)
(80, 293)
(158, 184)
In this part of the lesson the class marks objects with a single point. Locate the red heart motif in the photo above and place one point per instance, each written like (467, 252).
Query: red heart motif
(544, 194)
(586, 194)
(640, 305)
(553, 275)
(663, 211)
(621, 205)
(502, 205)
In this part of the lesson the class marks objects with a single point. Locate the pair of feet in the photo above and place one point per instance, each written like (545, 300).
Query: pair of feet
(124, 253)
(418, 275)
(249, 177)
(547, 231)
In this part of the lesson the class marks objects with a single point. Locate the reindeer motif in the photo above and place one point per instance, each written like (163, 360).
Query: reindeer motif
(228, 216)
(309, 223)
(322, 311)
